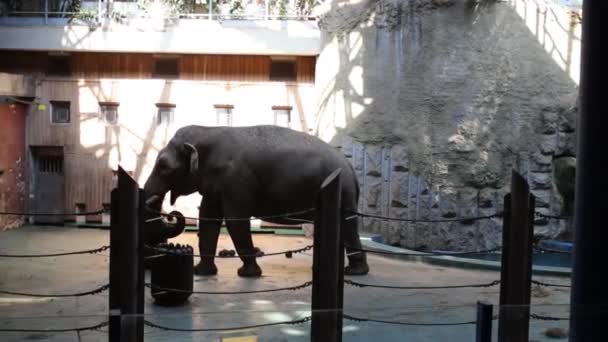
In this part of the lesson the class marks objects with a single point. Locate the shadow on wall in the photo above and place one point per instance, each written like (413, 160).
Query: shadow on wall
(435, 101)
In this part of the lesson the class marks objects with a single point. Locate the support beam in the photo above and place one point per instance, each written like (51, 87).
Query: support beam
(328, 264)
(589, 298)
(484, 322)
(126, 263)
(516, 262)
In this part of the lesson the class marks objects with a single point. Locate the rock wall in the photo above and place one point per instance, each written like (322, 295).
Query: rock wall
(435, 101)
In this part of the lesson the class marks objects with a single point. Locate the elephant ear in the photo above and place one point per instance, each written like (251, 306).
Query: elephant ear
(193, 153)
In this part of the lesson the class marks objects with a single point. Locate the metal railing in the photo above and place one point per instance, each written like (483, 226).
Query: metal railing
(99, 12)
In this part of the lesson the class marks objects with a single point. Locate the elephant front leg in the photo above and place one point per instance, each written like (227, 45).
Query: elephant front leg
(240, 233)
(208, 235)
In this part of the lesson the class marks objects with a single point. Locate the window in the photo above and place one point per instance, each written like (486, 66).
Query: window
(164, 115)
(60, 112)
(108, 112)
(282, 115)
(224, 114)
(166, 67)
(50, 164)
(282, 69)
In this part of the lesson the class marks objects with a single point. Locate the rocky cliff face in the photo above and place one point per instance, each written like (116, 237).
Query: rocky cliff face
(436, 101)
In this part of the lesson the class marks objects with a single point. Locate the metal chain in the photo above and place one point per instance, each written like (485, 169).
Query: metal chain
(548, 318)
(287, 253)
(92, 327)
(536, 282)
(89, 251)
(77, 294)
(255, 326)
(357, 319)
(211, 219)
(423, 253)
(85, 213)
(357, 284)
(387, 218)
(292, 288)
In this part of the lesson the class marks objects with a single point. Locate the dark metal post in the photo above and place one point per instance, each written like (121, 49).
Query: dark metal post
(484, 322)
(126, 263)
(326, 322)
(115, 249)
(589, 298)
(516, 265)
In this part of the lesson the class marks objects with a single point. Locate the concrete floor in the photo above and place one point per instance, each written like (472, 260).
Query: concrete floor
(84, 272)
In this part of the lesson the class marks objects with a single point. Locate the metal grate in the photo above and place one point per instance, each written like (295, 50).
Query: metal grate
(50, 164)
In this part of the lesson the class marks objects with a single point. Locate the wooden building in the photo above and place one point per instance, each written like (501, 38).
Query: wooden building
(92, 111)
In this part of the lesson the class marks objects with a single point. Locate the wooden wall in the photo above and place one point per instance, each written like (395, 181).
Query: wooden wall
(93, 149)
(92, 65)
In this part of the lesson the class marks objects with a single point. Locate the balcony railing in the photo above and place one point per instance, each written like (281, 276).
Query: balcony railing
(97, 12)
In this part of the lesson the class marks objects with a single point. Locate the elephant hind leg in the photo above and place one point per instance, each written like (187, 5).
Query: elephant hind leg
(240, 233)
(357, 260)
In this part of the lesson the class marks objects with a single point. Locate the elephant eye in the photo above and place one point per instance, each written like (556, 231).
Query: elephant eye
(162, 166)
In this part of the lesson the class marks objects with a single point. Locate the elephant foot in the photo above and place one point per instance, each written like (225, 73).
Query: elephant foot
(250, 271)
(356, 269)
(205, 269)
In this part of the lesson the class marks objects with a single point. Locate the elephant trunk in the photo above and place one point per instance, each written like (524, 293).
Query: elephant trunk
(157, 229)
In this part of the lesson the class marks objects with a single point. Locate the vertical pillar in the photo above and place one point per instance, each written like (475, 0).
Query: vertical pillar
(589, 298)
(126, 262)
(484, 322)
(328, 261)
(516, 263)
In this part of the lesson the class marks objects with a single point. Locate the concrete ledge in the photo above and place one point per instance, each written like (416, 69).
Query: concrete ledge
(371, 242)
(301, 38)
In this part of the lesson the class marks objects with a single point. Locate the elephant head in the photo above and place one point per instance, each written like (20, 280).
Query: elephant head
(174, 171)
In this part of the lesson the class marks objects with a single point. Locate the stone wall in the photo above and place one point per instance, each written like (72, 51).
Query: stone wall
(435, 101)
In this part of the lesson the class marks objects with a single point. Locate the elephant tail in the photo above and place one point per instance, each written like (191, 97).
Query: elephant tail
(357, 190)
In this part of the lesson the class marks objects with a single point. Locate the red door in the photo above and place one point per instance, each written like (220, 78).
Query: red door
(12, 162)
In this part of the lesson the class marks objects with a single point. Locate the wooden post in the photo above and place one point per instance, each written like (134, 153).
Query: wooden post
(516, 265)
(484, 322)
(126, 263)
(589, 298)
(328, 264)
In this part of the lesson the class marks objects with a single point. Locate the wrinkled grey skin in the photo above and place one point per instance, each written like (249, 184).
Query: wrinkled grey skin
(246, 172)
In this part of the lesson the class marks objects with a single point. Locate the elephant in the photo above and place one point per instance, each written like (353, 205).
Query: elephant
(254, 171)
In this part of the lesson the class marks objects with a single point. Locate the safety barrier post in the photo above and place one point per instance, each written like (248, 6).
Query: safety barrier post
(126, 263)
(328, 261)
(516, 263)
(484, 322)
(589, 298)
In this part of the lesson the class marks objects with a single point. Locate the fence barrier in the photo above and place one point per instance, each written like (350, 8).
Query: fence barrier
(126, 314)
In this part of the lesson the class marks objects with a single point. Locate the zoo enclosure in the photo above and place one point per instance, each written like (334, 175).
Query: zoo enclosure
(127, 291)
(127, 283)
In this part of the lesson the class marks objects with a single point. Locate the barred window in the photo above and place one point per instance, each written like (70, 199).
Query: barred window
(165, 113)
(282, 115)
(108, 112)
(60, 112)
(224, 114)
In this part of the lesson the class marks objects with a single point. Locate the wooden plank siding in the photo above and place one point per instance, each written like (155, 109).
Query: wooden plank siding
(92, 149)
(93, 65)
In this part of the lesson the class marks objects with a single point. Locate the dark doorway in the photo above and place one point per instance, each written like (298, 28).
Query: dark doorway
(49, 181)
